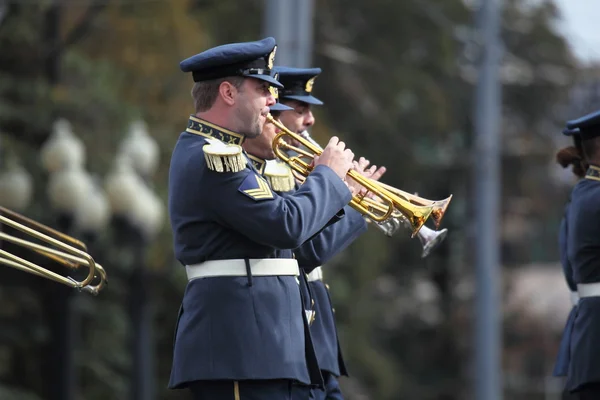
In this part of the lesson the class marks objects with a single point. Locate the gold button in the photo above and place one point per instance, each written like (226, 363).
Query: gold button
(327, 286)
(333, 309)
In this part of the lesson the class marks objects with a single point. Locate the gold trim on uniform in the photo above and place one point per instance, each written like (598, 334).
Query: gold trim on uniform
(593, 173)
(236, 390)
(257, 163)
(223, 153)
(280, 176)
(261, 192)
(204, 128)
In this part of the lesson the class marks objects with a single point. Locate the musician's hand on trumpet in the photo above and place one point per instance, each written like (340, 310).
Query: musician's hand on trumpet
(373, 173)
(336, 156)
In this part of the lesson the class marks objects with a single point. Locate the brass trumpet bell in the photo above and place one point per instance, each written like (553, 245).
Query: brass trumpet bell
(64, 250)
(389, 202)
(439, 206)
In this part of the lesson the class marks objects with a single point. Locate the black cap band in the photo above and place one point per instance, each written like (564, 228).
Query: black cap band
(256, 67)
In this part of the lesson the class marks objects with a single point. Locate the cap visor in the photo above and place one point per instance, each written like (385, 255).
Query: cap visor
(571, 132)
(280, 107)
(305, 99)
(267, 78)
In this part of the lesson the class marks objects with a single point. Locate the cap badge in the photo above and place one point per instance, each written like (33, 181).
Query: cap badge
(309, 84)
(271, 61)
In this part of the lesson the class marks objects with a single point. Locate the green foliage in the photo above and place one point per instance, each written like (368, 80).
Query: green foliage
(9, 393)
(398, 87)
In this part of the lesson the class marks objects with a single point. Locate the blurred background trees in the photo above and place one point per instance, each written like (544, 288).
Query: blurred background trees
(398, 87)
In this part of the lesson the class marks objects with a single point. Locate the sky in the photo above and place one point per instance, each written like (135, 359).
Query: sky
(581, 25)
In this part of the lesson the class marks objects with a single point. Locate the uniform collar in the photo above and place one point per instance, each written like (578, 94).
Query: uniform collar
(198, 126)
(593, 173)
(257, 163)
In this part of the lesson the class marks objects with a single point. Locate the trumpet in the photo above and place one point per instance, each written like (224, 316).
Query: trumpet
(389, 202)
(439, 206)
(66, 251)
(428, 237)
(437, 213)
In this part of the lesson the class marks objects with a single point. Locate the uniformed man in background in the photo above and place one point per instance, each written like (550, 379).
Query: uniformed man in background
(583, 252)
(330, 241)
(570, 156)
(297, 94)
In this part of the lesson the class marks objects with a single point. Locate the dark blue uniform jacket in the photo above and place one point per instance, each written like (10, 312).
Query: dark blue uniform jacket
(228, 328)
(564, 354)
(583, 248)
(317, 252)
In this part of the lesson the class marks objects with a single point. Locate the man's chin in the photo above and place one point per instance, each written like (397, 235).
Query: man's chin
(252, 134)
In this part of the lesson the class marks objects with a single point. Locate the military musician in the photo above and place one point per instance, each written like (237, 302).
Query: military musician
(297, 94)
(241, 331)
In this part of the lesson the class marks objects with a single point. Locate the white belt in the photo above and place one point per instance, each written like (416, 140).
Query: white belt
(588, 290)
(237, 267)
(315, 275)
(574, 298)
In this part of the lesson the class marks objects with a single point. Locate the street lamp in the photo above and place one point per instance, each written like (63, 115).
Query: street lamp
(79, 205)
(137, 217)
(122, 185)
(16, 186)
(93, 214)
(62, 148)
(141, 149)
(68, 189)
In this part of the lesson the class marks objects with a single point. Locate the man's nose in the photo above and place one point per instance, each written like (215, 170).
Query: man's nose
(309, 120)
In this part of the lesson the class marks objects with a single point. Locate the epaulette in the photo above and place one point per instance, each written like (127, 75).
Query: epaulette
(223, 157)
(279, 175)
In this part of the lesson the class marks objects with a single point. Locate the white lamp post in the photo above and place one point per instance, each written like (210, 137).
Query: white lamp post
(70, 190)
(122, 186)
(147, 214)
(62, 148)
(142, 215)
(92, 215)
(16, 187)
(141, 149)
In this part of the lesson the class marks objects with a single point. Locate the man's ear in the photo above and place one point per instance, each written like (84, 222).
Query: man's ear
(228, 92)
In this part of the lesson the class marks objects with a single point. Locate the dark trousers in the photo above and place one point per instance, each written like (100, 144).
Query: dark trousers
(590, 391)
(249, 390)
(331, 391)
